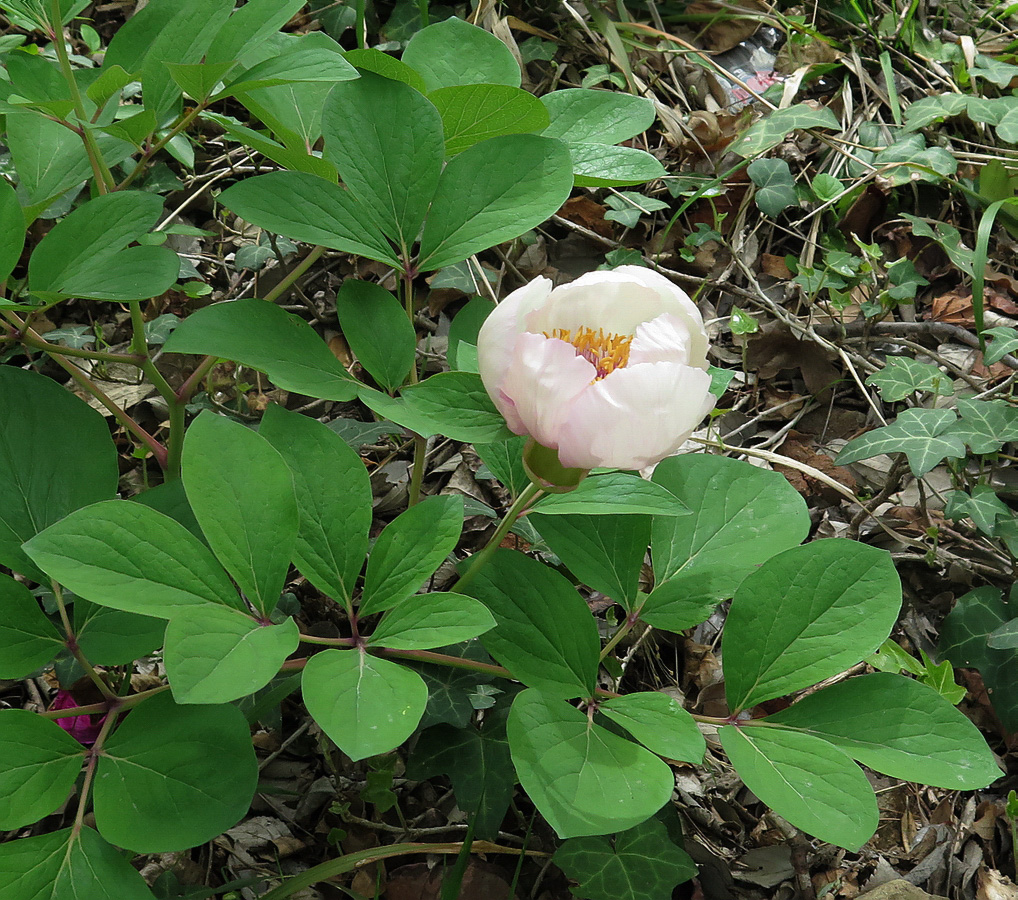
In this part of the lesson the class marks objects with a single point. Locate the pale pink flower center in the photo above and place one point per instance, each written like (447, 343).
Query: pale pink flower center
(605, 352)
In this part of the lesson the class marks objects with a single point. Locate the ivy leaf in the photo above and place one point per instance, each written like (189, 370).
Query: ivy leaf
(923, 435)
(982, 507)
(948, 237)
(1005, 340)
(775, 186)
(986, 425)
(902, 376)
(941, 678)
(963, 641)
(772, 130)
(638, 864)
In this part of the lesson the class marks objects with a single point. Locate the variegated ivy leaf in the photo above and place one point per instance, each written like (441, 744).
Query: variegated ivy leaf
(902, 376)
(1005, 340)
(986, 425)
(982, 507)
(918, 433)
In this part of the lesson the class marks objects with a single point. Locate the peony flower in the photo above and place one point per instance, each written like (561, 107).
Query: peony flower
(610, 370)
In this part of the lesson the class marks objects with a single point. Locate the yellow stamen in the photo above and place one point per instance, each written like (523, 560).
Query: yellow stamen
(606, 352)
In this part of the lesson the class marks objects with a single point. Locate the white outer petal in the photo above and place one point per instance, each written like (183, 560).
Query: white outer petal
(543, 378)
(498, 334)
(634, 417)
(664, 339)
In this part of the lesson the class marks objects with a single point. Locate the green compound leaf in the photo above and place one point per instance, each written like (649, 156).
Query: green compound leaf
(28, 639)
(455, 52)
(364, 704)
(925, 436)
(335, 512)
(902, 376)
(1004, 341)
(504, 460)
(614, 494)
(372, 60)
(963, 637)
(126, 556)
(166, 31)
(217, 655)
(199, 80)
(985, 425)
(805, 615)
(40, 764)
(493, 192)
(604, 552)
(478, 764)
(602, 165)
(303, 63)
(660, 723)
(775, 186)
(583, 779)
(194, 760)
(249, 26)
(12, 229)
(545, 634)
(582, 115)
(983, 507)
(87, 253)
(378, 331)
(242, 495)
(741, 516)
(307, 208)
(55, 457)
(475, 112)
(112, 637)
(899, 727)
(265, 337)
(432, 620)
(453, 404)
(59, 866)
(806, 780)
(777, 125)
(386, 140)
(410, 548)
(641, 863)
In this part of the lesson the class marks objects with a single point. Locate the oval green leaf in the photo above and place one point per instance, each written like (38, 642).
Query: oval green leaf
(584, 779)
(805, 615)
(456, 52)
(242, 495)
(806, 780)
(194, 760)
(432, 620)
(365, 704)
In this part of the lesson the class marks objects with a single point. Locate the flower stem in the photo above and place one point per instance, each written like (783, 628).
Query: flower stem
(306, 263)
(479, 559)
(103, 177)
(621, 632)
(71, 642)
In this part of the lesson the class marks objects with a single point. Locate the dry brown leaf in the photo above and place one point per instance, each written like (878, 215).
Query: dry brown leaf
(953, 308)
(729, 30)
(588, 213)
(801, 448)
(991, 885)
(775, 266)
(774, 348)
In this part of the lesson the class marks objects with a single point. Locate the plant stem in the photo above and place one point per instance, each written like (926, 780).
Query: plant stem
(417, 470)
(72, 645)
(188, 388)
(479, 559)
(306, 263)
(333, 867)
(621, 632)
(90, 767)
(146, 157)
(31, 339)
(121, 704)
(103, 177)
(176, 406)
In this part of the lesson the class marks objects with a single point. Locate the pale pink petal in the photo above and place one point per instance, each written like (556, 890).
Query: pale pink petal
(505, 323)
(613, 304)
(542, 379)
(664, 339)
(635, 416)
